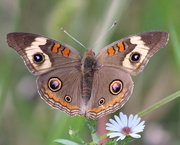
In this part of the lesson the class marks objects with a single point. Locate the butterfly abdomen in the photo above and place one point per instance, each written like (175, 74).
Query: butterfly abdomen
(88, 68)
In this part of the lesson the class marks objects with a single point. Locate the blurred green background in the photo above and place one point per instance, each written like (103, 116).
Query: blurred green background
(25, 119)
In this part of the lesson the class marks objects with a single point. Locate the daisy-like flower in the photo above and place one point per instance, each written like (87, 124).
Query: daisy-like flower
(123, 126)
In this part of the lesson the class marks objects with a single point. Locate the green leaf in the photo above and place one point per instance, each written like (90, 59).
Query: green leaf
(95, 137)
(91, 124)
(112, 142)
(66, 142)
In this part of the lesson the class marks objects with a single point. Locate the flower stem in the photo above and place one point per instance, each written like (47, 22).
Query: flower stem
(160, 103)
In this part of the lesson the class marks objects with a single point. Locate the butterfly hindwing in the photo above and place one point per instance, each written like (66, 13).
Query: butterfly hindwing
(110, 91)
(61, 89)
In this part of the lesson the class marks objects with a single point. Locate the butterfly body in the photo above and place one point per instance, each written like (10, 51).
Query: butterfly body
(88, 69)
(92, 85)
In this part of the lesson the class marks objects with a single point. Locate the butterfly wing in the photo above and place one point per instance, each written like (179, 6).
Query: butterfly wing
(42, 54)
(110, 91)
(131, 54)
(58, 65)
(112, 83)
(61, 89)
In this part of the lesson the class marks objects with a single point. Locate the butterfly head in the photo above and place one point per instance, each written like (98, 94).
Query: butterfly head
(89, 52)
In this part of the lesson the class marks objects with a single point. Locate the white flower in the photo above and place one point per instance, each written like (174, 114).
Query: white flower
(123, 126)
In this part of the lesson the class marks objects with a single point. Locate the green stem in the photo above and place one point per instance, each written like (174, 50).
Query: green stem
(160, 103)
(102, 137)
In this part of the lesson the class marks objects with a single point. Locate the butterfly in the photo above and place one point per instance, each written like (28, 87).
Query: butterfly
(90, 85)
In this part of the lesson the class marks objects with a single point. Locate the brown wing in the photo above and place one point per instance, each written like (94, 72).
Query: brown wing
(61, 89)
(110, 91)
(132, 53)
(42, 54)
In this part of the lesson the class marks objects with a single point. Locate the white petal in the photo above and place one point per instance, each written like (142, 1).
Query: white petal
(112, 127)
(130, 121)
(137, 131)
(123, 119)
(118, 120)
(136, 123)
(121, 115)
(134, 135)
(139, 126)
(109, 125)
(114, 134)
(142, 123)
(121, 137)
(134, 120)
(114, 122)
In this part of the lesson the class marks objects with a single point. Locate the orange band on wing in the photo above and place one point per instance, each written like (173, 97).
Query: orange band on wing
(111, 51)
(59, 100)
(121, 47)
(100, 108)
(55, 48)
(65, 52)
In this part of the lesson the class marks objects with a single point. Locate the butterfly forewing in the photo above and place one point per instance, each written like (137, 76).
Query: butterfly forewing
(42, 54)
(131, 54)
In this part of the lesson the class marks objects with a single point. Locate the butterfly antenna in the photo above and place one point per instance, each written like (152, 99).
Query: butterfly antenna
(73, 38)
(104, 34)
